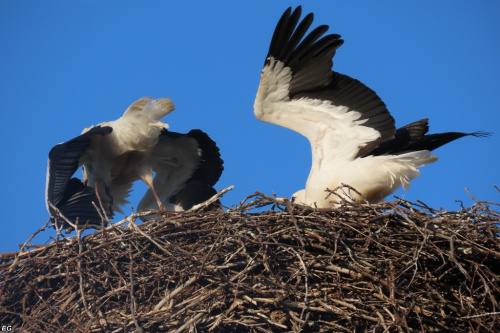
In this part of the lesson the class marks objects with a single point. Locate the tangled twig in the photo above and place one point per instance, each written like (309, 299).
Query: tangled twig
(395, 266)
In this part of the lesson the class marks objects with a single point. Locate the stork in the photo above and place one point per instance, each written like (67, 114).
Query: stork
(117, 153)
(353, 136)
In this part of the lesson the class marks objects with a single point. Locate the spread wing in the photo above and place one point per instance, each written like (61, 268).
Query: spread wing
(341, 117)
(404, 139)
(72, 197)
(186, 166)
(414, 137)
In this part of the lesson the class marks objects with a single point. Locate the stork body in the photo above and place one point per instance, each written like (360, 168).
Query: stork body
(117, 153)
(352, 134)
(117, 160)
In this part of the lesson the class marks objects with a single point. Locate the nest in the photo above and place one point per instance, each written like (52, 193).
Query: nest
(395, 266)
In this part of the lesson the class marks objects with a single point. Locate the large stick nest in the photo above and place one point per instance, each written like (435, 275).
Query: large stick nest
(396, 266)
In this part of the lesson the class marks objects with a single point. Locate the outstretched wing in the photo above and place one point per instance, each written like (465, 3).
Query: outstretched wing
(200, 187)
(414, 137)
(186, 166)
(405, 137)
(69, 195)
(338, 114)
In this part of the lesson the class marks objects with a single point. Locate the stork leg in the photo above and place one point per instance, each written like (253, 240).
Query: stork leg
(160, 204)
(148, 181)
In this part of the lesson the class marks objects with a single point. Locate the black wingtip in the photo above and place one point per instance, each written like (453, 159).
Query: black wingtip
(481, 134)
(77, 205)
(211, 165)
(289, 45)
(403, 141)
(434, 141)
(404, 138)
(199, 187)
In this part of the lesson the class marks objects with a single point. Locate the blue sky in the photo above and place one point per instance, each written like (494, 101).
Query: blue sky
(65, 65)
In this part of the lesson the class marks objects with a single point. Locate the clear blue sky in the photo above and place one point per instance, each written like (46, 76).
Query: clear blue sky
(65, 65)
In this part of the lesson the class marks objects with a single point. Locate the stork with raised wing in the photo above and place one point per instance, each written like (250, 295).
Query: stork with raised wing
(117, 153)
(353, 136)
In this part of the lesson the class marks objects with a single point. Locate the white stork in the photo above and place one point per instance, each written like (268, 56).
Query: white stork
(352, 134)
(117, 153)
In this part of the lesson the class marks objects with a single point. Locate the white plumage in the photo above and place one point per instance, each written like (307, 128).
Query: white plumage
(115, 154)
(117, 160)
(352, 134)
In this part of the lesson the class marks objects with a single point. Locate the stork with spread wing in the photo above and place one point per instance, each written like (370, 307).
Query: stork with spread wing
(353, 136)
(117, 153)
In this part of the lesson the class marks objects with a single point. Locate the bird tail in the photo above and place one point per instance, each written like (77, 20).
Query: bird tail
(153, 108)
(405, 166)
(159, 108)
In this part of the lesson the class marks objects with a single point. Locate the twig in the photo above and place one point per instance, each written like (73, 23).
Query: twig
(211, 200)
(131, 289)
(79, 265)
(305, 282)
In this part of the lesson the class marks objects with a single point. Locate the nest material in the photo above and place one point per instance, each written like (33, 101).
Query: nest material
(396, 266)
